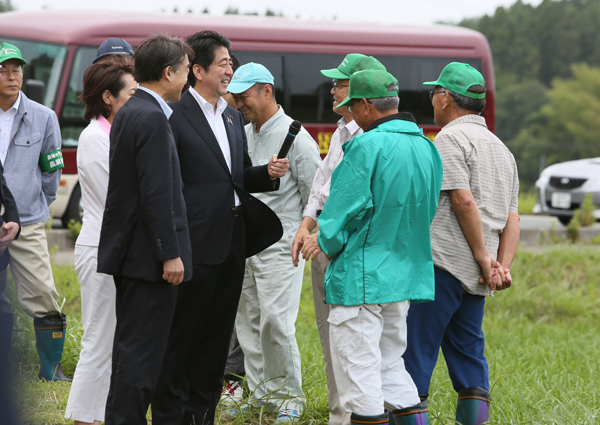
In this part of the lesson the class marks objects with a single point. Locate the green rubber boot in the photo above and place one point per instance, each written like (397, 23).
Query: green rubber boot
(50, 333)
(473, 406)
(415, 415)
(383, 419)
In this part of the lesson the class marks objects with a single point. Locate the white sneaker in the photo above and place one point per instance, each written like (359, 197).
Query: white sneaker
(232, 393)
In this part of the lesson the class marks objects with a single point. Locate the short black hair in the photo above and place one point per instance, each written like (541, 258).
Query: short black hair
(468, 103)
(156, 53)
(205, 44)
(235, 62)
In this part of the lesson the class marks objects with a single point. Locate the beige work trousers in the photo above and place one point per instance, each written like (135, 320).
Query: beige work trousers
(337, 415)
(32, 273)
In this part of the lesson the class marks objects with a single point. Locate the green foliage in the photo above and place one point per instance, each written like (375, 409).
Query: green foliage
(527, 200)
(515, 104)
(574, 226)
(563, 128)
(6, 6)
(587, 211)
(74, 229)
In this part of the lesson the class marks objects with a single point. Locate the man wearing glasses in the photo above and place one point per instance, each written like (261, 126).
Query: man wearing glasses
(475, 232)
(30, 153)
(307, 243)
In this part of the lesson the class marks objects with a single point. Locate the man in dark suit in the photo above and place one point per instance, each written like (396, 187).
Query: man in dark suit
(226, 226)
(9, 230)
(144, 242)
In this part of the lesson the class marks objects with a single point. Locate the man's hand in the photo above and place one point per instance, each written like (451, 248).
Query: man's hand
(173, 271)
(278, 167)
(504, 279)
(298, 243)
(8, 231)
(311, 247)
(489, 270)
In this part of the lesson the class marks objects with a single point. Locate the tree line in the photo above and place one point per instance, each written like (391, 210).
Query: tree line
(547, 66)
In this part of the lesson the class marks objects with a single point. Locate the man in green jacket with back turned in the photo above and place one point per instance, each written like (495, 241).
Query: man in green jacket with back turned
(375, 225)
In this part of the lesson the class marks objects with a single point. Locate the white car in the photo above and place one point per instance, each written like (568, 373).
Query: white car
(561, 188)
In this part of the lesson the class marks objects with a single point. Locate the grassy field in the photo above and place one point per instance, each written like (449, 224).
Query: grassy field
(542, 338)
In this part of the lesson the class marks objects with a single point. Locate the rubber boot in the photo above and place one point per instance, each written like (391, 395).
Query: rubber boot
(50, 334)
(383, 419)
(415, 415)
(473, 406)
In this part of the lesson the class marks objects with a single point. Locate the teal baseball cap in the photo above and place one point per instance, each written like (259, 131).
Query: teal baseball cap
(248, 75)
(352, 63)
(369, 84)
(8, 51)
(459, 77)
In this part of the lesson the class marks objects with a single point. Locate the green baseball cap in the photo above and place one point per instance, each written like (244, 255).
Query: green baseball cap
(8, 51)
(458, 78)
(352, 63)
(369, 84)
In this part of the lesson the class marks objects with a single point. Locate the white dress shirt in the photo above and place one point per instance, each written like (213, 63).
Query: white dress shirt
(215, 120)
(320, 187)
(166, 108)
(7, 120)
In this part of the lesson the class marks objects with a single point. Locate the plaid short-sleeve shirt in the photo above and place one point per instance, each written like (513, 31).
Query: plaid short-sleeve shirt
(475, 159)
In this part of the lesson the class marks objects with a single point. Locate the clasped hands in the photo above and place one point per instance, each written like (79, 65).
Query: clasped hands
(494, 274)
(307, 244)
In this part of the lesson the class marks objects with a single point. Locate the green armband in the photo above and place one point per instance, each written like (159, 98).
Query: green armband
(51, 161)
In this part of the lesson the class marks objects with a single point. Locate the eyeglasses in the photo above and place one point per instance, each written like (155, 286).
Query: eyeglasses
(16, 70)
(349, 108)
(336, 84)
(433, 93)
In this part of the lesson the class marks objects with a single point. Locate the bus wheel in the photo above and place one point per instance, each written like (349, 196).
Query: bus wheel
(74, 210)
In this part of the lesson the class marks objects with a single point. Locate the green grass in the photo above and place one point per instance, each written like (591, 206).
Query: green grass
(542, 339)
(527, 200)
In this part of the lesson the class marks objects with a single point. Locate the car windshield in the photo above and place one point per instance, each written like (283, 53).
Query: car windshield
(44, 63)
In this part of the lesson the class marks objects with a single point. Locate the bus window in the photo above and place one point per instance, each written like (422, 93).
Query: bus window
(305, 94)
(44, 62)
(71, 120)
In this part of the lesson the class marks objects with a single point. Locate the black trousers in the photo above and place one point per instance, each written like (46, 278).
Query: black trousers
(144, 315)
(191, 379)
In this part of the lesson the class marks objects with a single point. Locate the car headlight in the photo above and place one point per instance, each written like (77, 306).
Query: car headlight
(544, 178)
(592, 185)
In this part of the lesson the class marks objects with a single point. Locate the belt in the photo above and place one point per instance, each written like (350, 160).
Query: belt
(319, 213)
(237, 211)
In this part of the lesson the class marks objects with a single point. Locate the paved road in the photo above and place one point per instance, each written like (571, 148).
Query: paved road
(543, 222)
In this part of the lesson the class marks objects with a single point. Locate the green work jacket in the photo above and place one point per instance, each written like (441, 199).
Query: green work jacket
(376, 221)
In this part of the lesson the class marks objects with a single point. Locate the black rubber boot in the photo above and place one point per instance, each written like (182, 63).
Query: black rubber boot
(415, 415)
(50, 334)
(383, 419)
(473, 406)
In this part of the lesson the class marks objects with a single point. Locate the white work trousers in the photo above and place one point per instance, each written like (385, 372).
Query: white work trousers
(266, 325)
(87, 399)
(367, 343)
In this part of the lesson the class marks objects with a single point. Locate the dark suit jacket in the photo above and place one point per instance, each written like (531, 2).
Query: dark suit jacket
(209, 185)
(10, 214)
(145, 219)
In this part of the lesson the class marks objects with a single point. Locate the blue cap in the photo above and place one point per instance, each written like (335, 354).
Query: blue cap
(248, 75)
(113, 46)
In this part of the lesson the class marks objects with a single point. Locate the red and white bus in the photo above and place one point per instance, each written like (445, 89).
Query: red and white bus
(60, 45)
